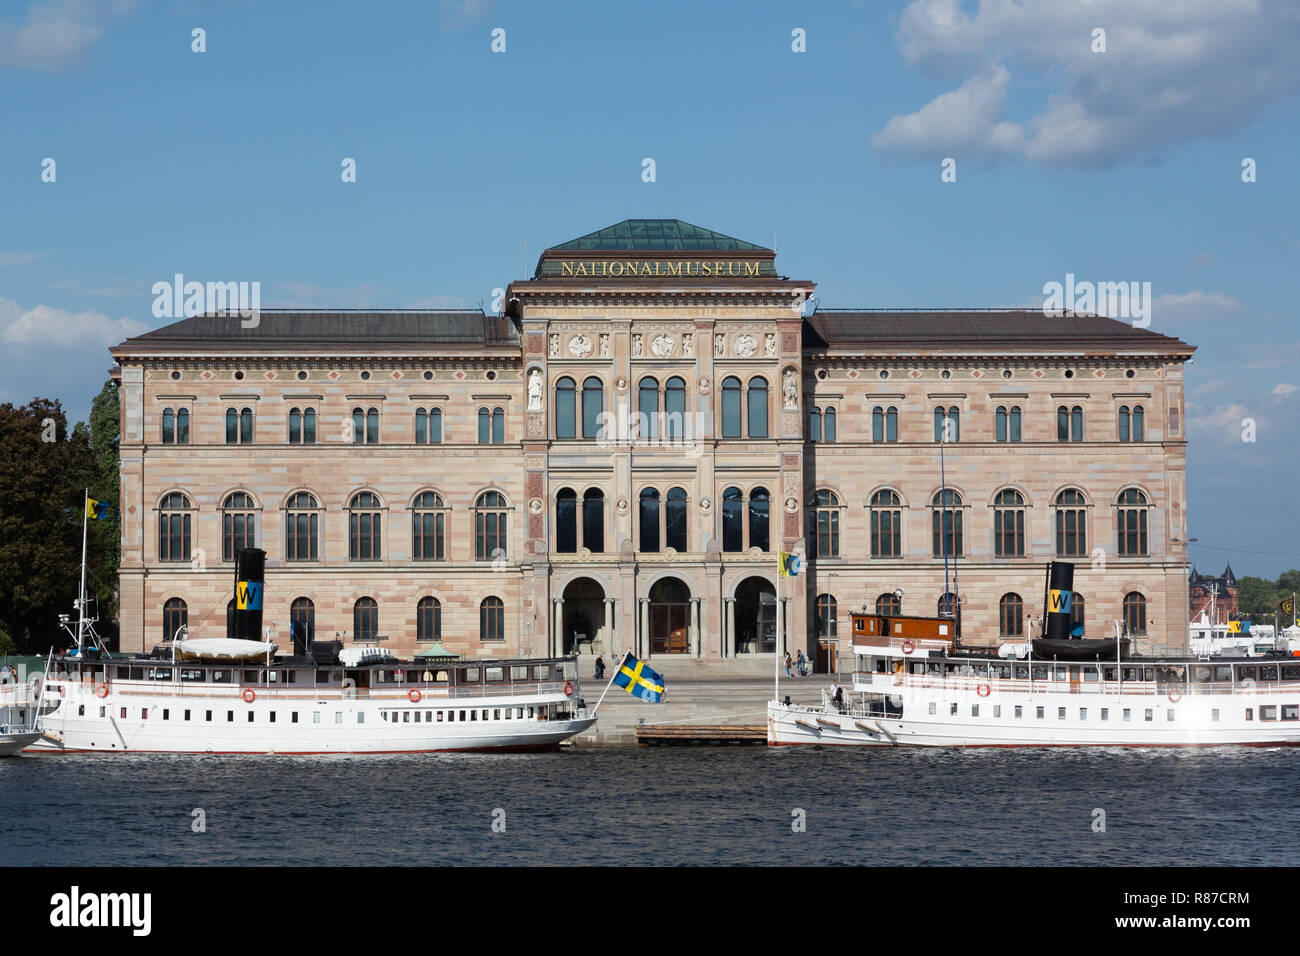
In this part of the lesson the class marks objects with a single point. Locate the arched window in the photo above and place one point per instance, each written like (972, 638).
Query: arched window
(428, 426)
(733, 516)
(175, 616)
(174, 528)
(1008, 423)
(1076, 423)
(428, 527)
(731, 407)
(309, 427)
(239, 426)
(1069, 423)
(814, 423)
(364, 527)
(824, 524)
(498, 426)
(230, 619)
(1011, 615)
(1135, 613)
(758, 407)
(302, 528)
(168, 426)
(490, 526)
(1009, 524)
(302, 620)
(365, 619)
(891, 424)
(947, 423)
(182, 426)
(295, 426)
(888, 604)
(675, 408)
(877, 424)
(1132, 523)
(1124, 423)
(428, 619)
(238, 525)
(1071, 524)
(827, 616)
(593, 520)
(484, 427)
(1139, 416)
(948, 605)
(647, 408)
(566, 410)
(566, 521)
(884, 424)
(492, 620)
(675, 519)
(1076, 610)
(886, 524)
(372, 425)
(760, 510)
(365, 426)
(828, 417)
(593, 405)
(946, 524)
(649, 520)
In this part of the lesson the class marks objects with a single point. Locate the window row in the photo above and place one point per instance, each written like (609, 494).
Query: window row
(362, 430)
(1007, 423)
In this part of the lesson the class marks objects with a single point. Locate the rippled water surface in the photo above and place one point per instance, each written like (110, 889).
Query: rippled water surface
(659, 805)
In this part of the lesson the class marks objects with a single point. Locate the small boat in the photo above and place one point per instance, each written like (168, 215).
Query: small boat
(18, 706)
(1080, 648)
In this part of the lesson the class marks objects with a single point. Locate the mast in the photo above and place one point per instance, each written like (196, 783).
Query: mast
(81, 594)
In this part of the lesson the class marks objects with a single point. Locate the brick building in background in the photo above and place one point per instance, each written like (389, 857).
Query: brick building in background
(615, 460)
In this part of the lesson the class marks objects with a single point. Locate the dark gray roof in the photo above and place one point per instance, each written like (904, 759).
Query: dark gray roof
(650, 234)
(329, 329)
(1013, 330)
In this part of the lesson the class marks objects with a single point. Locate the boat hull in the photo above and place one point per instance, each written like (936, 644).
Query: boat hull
(11, 745)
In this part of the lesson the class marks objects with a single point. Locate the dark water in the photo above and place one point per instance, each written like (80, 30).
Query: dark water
(659, 806)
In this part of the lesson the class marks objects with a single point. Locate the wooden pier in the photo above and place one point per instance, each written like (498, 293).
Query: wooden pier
(678, 734)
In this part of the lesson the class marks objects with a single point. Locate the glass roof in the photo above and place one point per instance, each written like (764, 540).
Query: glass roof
(656, 234)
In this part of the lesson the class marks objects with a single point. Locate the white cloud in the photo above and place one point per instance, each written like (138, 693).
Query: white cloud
(56, 34)
(1221, 425)
(1172, 73)
(1282, 389)
(58, 328)
(17, 258)
(1180, 308)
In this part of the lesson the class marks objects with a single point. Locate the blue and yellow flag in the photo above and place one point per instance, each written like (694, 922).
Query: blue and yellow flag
(639, 680)
(791, 564)
(95, 510)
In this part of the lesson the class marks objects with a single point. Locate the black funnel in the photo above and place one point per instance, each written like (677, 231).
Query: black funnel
(1060, 600)
(250, 575)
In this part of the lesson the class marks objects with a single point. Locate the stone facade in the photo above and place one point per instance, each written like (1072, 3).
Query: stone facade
(677, 345)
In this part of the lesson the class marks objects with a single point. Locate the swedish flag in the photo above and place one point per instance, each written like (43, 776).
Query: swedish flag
(96, 510)
(639, 680)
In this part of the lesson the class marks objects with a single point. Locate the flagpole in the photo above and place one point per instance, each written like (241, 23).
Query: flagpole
(81, 599)
(776, 655)
(617, 667)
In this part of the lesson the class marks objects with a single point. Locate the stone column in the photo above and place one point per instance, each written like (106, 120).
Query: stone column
(640, 649)
(556, 641)
(693, 623)
(729, 632)
(610, 630)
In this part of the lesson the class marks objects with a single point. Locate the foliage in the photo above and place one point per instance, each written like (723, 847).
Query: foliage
(1259, 597)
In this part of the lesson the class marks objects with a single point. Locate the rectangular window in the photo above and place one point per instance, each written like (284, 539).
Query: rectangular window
(1214, 714)
(315, 716)
(1105, 713)
(1289, 712)
(974, 710)
(272, 716)
(1060, 713)
(208, 718)
(1128, 714)
(953, 711)
(230, 716)
(1268, 712)
(1019, 711)
(997, 710)
(338, 716)
(1149, 714)
(250, 716)
(361, 716)
(1040, 713)
(932, 709)
(1169, 715)
(1250, 713)
(1083, 713)
(187, 715)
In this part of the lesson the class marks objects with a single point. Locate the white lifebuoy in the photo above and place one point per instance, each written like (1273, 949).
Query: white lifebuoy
(413, 695)
(249, 695)
(1174, 696)
(568, 688)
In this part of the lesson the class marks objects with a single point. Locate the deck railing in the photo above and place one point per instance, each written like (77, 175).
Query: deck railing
(885, 683)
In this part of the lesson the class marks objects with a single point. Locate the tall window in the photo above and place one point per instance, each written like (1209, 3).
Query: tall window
(675, 409)
(1008, 423)
(758, 407)
(1130, 423)
(945, 524)
(1132, 523)
(428, 426)
(365, 426)
(1009, 524)
(1076, 610)
(647, 407)
(593, 520)
(888, 604)
(365, 619)
(1135, 613)
(1139, 417)
(498, 426)
(182, 426)
(301, 528)
(947, 423)
(1011, 615)
(231, 631)
(884, 424)
(948, 605)
(593, 404)
(827, 616)
(1069, 423)
(428, 619)
(302, 426)
(733, 516)
(175, 615)
(238, 525)
(1071, 524)
(649, 520)
(675, 519)
(302, 619)
(731, 407)
(492, 620)
(169, 426)
(364, 527)
(566, 410)
(566, 521)
(174, 528)
(821, 424)
(824, 524)
(428, 527)
(239, 426)
(760, 510)
(886, 524)
(492, 426)
(490, 526)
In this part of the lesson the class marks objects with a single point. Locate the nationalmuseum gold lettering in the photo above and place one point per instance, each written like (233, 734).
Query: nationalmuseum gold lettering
(643, 267)
(630, 267)
(704, 269)
(751, 268)
(566, 268)
(620, 268)
(674, 268)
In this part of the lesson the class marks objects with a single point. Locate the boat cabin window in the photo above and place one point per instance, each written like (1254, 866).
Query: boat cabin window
(1222, 673)
(1291, 711)
(192, 675)
(494, 674)
(160, 673)
(916, 667)
(1040, 713)
(1268, 672)
(539, 672)
(1040, 672)
(470, 675)
(1090, 673)
(1058, 673)
(252, 677)
(1001, 670)
(1268, 712)
(1021, 671)
(1110, 672)
(1290, 671)
(221, 676)
(1200, 674)
(519, 673)
(1250, 713)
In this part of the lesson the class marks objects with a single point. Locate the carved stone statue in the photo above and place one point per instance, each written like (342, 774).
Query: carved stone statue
(662, 345)
(604, 345)
(580, 345)
(535, 390)
(688, 345)
(745, 346)
(790, 388)
(636, 346)
(555, 346)
(769, 341)
(719, 346)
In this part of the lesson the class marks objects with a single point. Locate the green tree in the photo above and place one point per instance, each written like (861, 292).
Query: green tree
(1257, 596)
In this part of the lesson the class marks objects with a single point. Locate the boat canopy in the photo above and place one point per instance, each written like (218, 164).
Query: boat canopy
(223, 649)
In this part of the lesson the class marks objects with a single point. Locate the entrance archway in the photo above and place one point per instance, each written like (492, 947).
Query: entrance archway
(670, 616)
(584, 616)
(752, 635)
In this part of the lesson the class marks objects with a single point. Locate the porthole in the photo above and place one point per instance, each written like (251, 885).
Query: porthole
(1069, 373)
(428, 376)
(365, 376)
(1006, 373)
(945, 374)
(1129, 374)
(821, 374)
(884, 373)
(239, 376)
(176, 376)
(302, 376)
(491, 376)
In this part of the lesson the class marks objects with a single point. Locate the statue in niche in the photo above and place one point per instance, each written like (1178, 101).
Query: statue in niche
(688, 345)
(555, 346)
(790, 389)
(770, 342)
(535, 390)
(604, 345)
(719, 346)
(636, 346)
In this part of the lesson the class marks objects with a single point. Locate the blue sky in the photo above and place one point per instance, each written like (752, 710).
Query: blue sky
(1115, 165)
